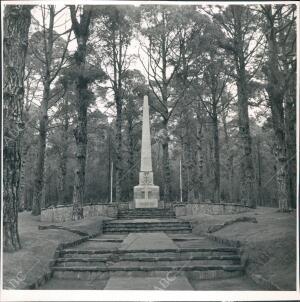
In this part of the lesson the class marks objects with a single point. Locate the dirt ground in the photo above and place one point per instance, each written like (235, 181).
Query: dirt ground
(22, 268)
(269, 245)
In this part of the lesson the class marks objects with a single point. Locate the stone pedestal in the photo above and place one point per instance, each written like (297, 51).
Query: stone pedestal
(146, 196)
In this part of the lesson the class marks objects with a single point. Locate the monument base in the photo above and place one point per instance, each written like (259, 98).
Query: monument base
(146, 196)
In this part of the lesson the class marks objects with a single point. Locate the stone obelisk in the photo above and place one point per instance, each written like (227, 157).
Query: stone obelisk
(146, 194)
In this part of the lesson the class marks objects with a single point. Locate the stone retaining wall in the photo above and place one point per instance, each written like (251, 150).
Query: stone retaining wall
(64, 213)
(208, 208)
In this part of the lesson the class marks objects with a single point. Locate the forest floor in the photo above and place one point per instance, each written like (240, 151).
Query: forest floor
(24, 267)
(269, 245)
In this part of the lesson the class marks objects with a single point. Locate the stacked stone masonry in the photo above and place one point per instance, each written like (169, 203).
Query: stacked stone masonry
(64, 213)
(208, 208)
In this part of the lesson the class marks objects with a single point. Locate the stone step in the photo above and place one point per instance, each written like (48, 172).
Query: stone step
(146, 213)
(136, 216)
(141, 227)
(147, 230)
(149, 258)
(162, 268)
(87, 262)
(69, 274)
(144, 255)
(146, 210)
(104, 240)
(146, 223)
(155, 252)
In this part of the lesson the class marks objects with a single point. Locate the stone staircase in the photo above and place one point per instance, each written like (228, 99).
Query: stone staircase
(125, 226)
(137, 252)
(210, 262)
(145, 213)
(145, 220)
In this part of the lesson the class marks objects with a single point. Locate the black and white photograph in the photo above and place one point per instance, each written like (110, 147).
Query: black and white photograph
(150, 151)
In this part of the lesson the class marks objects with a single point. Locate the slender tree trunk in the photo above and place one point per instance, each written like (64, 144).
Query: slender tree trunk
(190, 171)
(189, 161)
(216, 157)
(230, 169)
(43, 122)
(109, 162)
(64, 156)
(40, 163)
(165, 143)
(201, 188)
(118, 165)
(16, 25)
(166, 163)
(183, 167)
(290, 122)
(259, 178)
(131, 159)
(246, 164)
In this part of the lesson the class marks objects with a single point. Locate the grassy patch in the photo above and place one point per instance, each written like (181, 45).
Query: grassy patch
(269, 244)
(24, 267)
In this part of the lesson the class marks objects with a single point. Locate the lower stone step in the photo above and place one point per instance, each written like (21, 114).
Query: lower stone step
(140, 224)
(126, 231)
(152, 251)
(183, 253)
(153, 263)
(149, 258)
(203, 272)
(146, 216)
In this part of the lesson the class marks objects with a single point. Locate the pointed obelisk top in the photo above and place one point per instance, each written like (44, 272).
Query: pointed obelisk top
(146, 161)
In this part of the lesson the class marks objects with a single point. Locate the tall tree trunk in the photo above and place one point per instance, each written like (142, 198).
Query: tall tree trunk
(216, 157)
(166, 163)
(246, 164)
(81, 31)
(276, 93)
(190, 173)
(43, 122)
(290, 123)
(259, 178)
(230, 169)
(289, 111)
(109, 153)
(40, 163)
(118, 164)
(64, 156)
(183, 168)
(25, 147)
(16, 26)
(189, 164)
(201, 188)
(80, 134)
(131, 159)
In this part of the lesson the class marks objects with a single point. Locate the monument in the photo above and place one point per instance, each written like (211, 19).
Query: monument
(146, 194)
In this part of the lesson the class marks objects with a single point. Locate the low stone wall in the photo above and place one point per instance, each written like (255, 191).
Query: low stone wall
(64, 213)
(183, 209)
